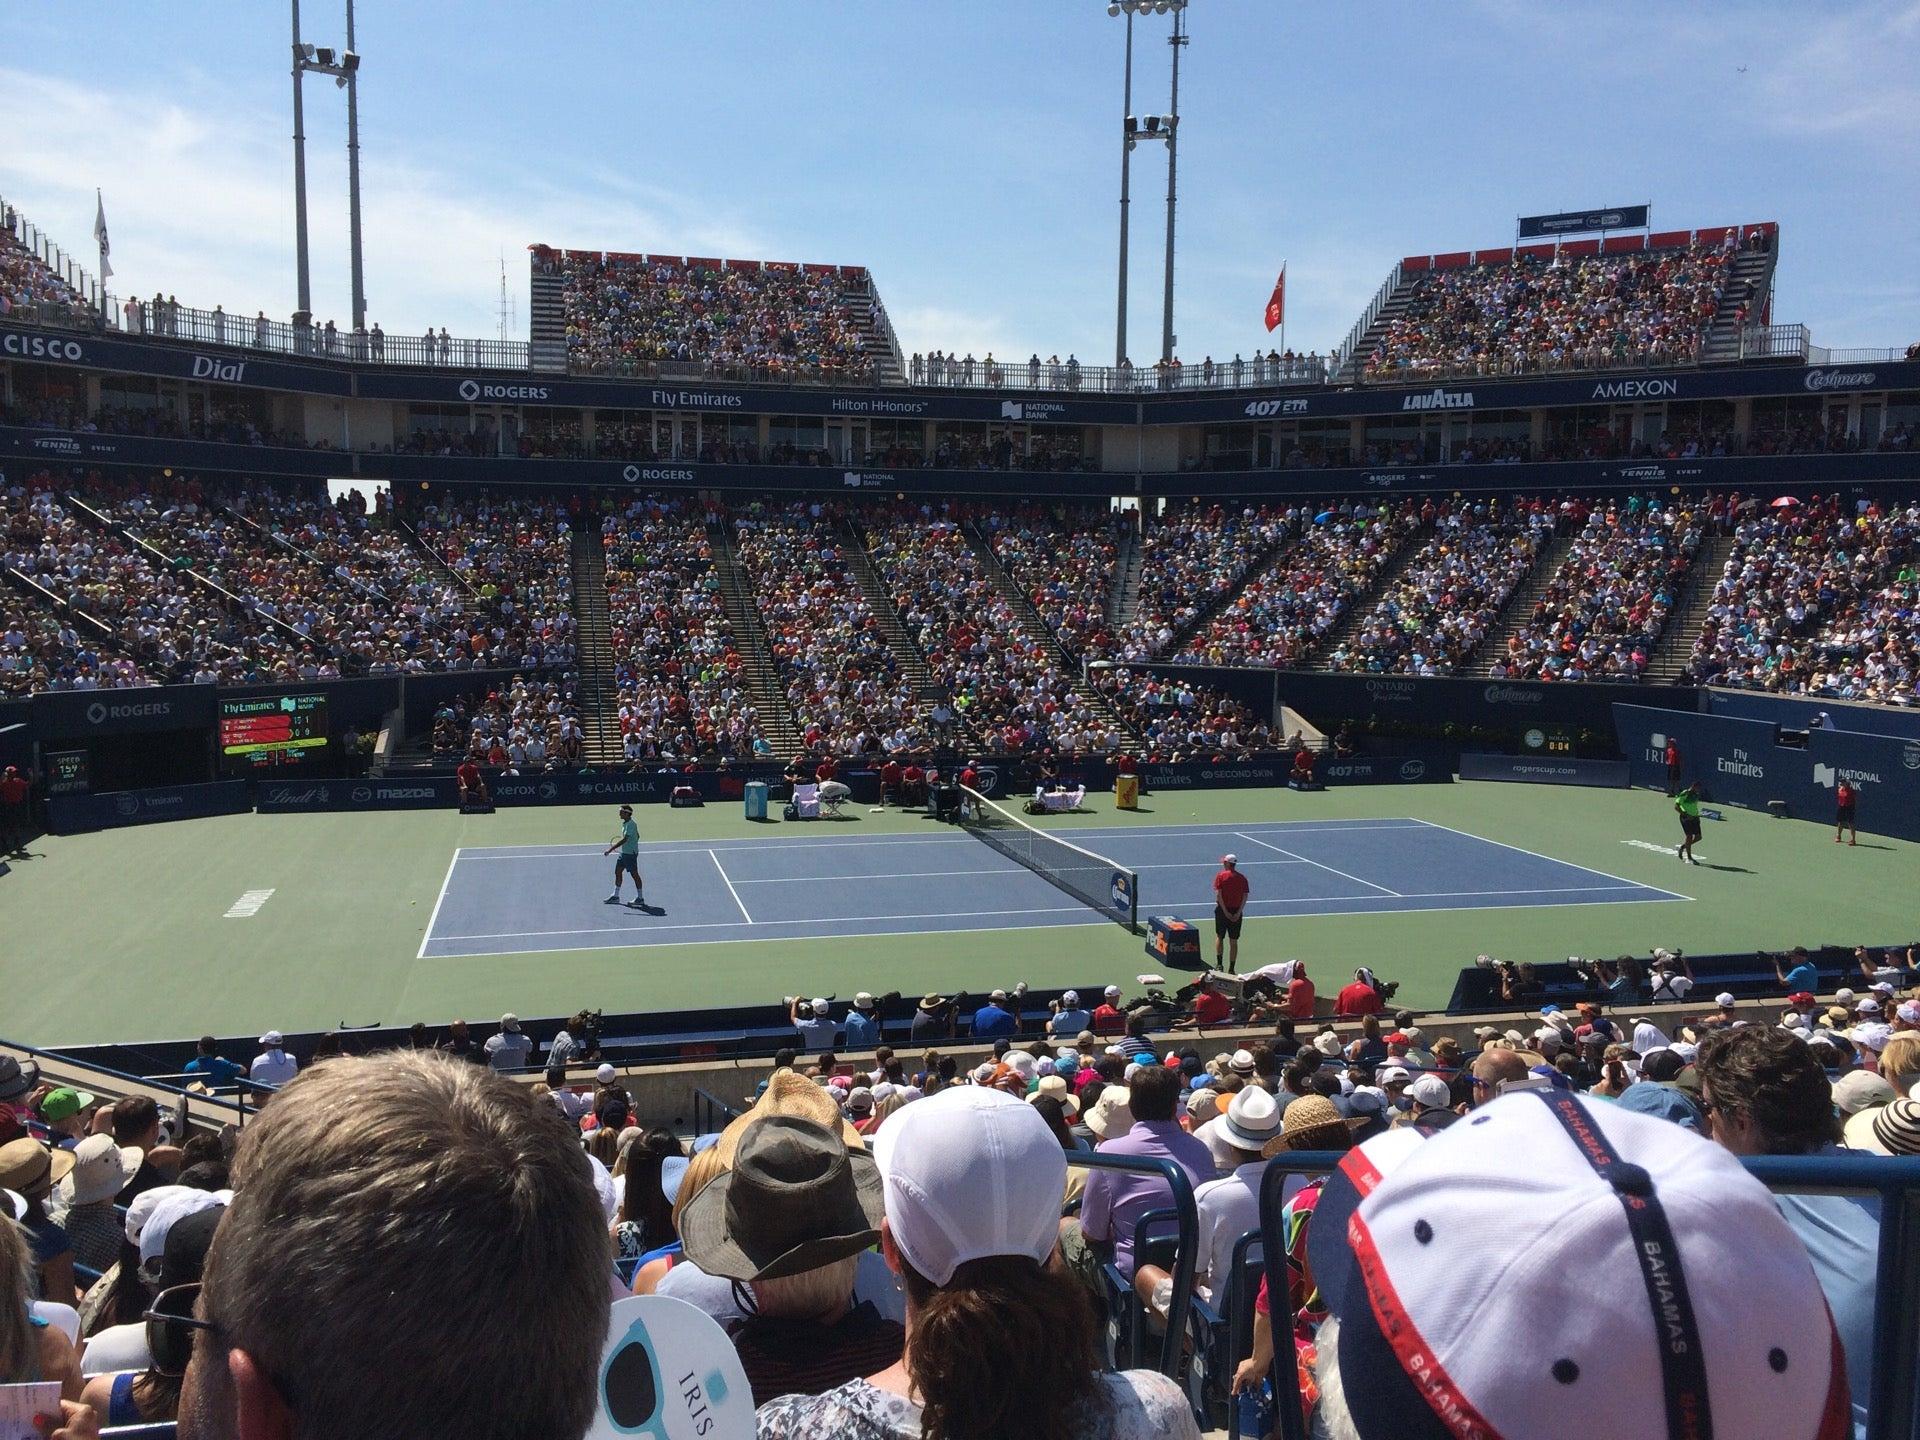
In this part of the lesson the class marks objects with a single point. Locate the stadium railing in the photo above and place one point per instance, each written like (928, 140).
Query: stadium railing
(1186, 1240)
(1893, 1409)
(232, 1110)
(710, 1112)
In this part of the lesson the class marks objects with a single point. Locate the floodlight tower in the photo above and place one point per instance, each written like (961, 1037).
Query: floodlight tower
(344, 66)
(1148, 127)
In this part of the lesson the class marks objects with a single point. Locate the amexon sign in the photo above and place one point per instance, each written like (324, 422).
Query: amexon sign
(83, 714)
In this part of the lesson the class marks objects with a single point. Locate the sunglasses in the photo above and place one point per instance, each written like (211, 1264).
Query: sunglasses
(170, 1326)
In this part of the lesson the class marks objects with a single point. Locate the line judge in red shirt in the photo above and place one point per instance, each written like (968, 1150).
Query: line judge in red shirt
(1229, 907)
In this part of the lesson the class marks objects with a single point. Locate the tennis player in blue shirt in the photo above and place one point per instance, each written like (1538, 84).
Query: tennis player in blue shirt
(628, 844)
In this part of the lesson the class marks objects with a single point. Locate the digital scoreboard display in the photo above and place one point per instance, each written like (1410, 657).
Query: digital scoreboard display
(68, 772)
(273, 731)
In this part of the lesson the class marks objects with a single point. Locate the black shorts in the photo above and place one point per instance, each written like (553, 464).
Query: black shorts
(1690, 826)
(1225, 928)
(626, 865)
(1846, 815)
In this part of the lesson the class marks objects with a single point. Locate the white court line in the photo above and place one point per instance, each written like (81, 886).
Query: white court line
(1091, 920)
(730, 890)
(807, 842)
(941, 874)
(1046, 910)
(1318, 866)
(1565, 864)
(248, 905)
(434, 918)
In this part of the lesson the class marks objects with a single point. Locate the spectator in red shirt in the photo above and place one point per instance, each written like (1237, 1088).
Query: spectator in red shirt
(890, 774)
(825, 770)
(913, 783)
(1300, 995)
(970, 777)
(1673, 768)
(1302, 772)
(1211, 1006)
(1360, 997)
(1125, 764)
(473, 787)
(1845, 799)
(1229, 906)
(14, 789)
(1108, 1018)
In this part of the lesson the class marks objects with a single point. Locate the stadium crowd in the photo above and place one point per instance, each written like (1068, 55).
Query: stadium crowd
(1064, 561)
(1003, 682)
(1190, 557)
(677, 670)
(25, 279)
(1608, 601)
(876, 1230)
(1533, 313)
(1816, 598)
(1280, 615)
(1438, 609)
(839, 673)
(771, 321)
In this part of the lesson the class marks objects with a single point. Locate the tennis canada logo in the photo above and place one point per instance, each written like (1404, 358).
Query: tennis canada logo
(1122, 891)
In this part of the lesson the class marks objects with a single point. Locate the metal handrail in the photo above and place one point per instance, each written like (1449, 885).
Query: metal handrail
(1188, 1238)
(707, 1107)
(68, 1062)
(1056, 376)
(1893, 1408)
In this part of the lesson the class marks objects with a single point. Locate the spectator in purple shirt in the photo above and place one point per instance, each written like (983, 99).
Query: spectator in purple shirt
(1113, 1202)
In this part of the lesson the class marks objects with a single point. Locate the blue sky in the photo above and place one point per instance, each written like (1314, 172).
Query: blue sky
(968, 153)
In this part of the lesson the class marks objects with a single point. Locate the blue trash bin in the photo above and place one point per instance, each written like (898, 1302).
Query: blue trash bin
(756, 793)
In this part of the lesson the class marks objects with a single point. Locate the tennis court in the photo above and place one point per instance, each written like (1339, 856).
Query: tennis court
(528, 899)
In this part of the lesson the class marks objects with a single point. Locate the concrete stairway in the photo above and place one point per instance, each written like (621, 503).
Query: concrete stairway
(1518, 610)
(1671, 651)
(1362, 605)
(598, 694)
(546, 324)
(1749, 283)
(758, 668)
(1391, 311)
(1201, 618)
(1123, 600)
(1036, 629)
(906, 653)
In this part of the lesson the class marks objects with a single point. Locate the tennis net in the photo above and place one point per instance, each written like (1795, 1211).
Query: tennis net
(1106, 885)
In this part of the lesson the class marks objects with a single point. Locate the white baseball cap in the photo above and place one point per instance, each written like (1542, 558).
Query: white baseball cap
(818, 1006)
(969, 1173)
(168, 1213)
(1910, 1012)
(1392, 1075)
(998, 995)
(273, 1039)
(863, 1001)
(1229, 859)
(1843, 996)
(1867, 1006)
(1723, 999)
(606, 1074)
(1430, 1092)
(1113, 992)
(1071, 997)
(1611, 1208)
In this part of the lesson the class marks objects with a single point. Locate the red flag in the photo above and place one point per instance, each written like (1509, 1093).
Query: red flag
(1277, 302)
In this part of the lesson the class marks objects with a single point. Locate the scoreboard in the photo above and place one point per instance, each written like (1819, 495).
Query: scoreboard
(273, 731)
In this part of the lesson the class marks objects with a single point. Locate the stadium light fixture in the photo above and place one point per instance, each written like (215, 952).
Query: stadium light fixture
(344, 67)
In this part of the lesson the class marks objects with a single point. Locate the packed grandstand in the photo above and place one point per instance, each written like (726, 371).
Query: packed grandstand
(909, 1218)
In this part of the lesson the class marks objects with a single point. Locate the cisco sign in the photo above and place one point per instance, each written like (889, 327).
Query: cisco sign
(42, 347)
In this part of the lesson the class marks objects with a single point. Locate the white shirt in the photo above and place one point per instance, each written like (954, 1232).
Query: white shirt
(817, 1034)
(273, 1067)
(116, 1348)
(1227, 1208)
(1070, 1022)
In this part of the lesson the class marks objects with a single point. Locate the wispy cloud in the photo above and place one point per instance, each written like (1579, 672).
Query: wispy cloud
(204, 211)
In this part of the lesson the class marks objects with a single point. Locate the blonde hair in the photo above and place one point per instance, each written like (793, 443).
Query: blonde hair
(701, 1171)
(808, 1295)
(1900, 1061)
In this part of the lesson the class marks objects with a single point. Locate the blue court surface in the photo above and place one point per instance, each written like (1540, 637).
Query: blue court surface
(526, 899)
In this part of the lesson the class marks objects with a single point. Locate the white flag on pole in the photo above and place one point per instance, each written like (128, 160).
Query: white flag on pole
(100, 235)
